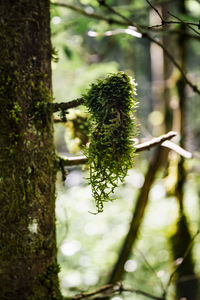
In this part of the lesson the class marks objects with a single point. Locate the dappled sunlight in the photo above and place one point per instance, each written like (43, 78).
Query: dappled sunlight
(70, 248)
(130, 265)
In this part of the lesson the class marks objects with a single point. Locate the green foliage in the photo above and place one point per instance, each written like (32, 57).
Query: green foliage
(110, 102)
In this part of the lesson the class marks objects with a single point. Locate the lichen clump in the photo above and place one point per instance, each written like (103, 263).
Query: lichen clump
(77, 130)
(111, 102)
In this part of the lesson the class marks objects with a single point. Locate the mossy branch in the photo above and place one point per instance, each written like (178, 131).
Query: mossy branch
(63, 106)
(110, 102)
(78, 160)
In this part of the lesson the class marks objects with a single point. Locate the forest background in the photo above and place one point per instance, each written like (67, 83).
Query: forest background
(160, 196)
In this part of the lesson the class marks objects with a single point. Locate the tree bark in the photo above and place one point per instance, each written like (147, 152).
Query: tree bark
(28, 268)
(186, 281)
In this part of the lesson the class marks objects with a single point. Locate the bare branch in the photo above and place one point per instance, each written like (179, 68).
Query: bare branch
(87, 14)
(148, 295)
(170, 56)
(73, 161)
(115, 21)
(164, 22)
(152, 269)
(147, 36)
(155, 141)
(101, 290)
(114, 11)
(177, 149)
(159, 29)
(173, 23)
(109, 290)
(156, 10)
(185, 23)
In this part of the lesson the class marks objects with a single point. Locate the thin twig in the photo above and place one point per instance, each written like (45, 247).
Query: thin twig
(73, 161)
(170, 56)
(163, 22)
(148, 295)
(173, 31)
(155, 141)
(156, 10)
(87, 14)
(114, 21)
(111, 290)
(101, 290)
(184, 23)
(152, 269)
(174, 23)
(178, 149)
(114, 11)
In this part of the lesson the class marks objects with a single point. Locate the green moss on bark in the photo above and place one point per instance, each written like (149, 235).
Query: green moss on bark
(49, 279)
(27, 154)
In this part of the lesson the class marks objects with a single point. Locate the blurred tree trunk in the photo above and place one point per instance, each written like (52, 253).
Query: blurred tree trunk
(168, 42)
(28, 268)
(186, 282)
(141, 203)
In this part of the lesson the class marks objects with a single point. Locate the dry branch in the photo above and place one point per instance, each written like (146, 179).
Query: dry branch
(110, 290)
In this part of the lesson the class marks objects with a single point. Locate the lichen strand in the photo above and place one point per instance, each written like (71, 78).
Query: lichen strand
(77, 130)
(27, 172)
(111, 103)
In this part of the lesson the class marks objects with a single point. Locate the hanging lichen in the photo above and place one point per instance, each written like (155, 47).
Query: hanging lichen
(77, 130)
(110, 154)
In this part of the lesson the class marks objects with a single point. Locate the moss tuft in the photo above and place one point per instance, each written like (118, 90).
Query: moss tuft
(110, 154)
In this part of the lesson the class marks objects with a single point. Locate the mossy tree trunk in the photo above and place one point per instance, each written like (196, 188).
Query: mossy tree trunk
(186, 280)
(28, 268)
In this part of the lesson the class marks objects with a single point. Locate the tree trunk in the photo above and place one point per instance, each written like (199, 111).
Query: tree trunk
(186, 281)
(156, 162)
(28, 268)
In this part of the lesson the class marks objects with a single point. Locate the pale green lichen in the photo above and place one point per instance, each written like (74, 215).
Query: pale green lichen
(77, 130)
